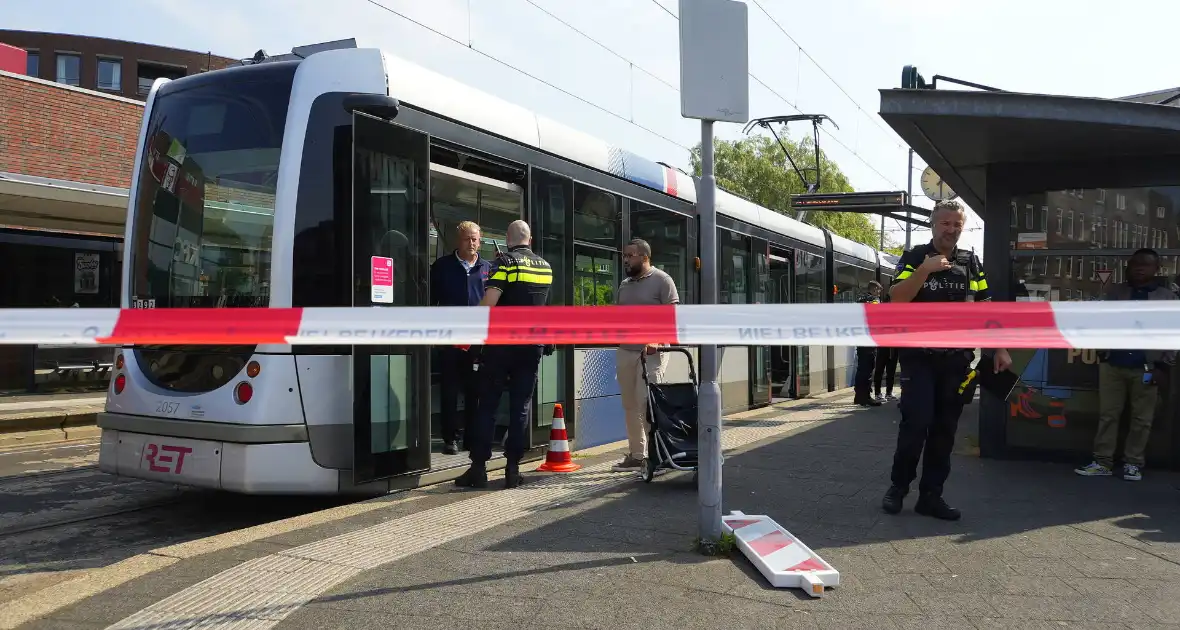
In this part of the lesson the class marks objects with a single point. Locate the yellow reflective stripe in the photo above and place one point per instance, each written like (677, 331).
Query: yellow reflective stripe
(980, 285)
(905, 274)
(534, 278)
(499, 275)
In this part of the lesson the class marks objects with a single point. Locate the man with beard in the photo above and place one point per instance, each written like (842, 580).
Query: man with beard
(644, 284)
(930, 377)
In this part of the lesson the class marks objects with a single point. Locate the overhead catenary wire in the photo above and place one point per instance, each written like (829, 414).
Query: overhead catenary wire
(795, 107)
(470, 46)
(635, 66)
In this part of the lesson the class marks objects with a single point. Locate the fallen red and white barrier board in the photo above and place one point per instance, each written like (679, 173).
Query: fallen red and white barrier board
(1147, 325)
(781, 558)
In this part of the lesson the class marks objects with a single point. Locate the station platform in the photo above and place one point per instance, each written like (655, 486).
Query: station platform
(1038, 547)
(27, 419)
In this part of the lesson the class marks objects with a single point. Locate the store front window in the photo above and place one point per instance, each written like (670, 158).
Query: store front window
(1072, 246)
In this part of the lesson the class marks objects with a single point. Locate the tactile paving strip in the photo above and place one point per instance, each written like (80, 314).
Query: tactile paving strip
(262, 592)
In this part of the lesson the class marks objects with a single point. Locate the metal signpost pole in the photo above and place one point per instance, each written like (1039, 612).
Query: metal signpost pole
(709, 412)
(714, 87)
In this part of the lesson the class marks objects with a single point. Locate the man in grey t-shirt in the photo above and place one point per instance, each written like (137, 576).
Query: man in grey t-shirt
(644, 284)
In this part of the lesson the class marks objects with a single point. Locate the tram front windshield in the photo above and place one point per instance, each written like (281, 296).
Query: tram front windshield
(204, 212)
(203, 221)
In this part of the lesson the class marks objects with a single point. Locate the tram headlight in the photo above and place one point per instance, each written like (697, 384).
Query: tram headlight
(243, 393)
(119, 361)
(252, 369)
(120, 383)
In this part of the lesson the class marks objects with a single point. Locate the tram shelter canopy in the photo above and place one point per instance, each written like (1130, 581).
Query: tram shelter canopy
(52, 204)
(960, 133)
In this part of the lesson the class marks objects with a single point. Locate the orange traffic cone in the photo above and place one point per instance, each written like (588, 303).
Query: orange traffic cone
(558, 458)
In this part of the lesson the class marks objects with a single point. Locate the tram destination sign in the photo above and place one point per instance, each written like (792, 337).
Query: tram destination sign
(850, 202)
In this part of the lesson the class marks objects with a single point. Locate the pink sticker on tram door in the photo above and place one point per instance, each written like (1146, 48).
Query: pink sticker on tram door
(382, 280)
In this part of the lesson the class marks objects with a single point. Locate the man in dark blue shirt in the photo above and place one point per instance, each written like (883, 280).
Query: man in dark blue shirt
(457, 279)
(1129, 378)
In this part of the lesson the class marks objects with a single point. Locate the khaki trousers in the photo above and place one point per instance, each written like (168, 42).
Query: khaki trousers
(634, 393)
(1118, 387)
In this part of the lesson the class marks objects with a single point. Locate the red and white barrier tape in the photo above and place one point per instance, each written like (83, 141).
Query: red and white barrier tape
(1101, 325)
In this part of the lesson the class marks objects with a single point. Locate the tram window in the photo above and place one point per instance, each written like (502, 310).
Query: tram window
(550, 202)
(596, 275)
(735, 268)
(851, 281)
(809, 278)
(597, 216)
(667, 233)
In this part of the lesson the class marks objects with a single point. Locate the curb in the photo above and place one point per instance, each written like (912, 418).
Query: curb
(42, 429)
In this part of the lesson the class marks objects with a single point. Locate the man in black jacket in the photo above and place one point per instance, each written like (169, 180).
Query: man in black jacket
(457, 279)
(866, 356)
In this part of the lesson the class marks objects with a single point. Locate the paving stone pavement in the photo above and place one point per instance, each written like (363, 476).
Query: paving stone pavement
(1038, 548)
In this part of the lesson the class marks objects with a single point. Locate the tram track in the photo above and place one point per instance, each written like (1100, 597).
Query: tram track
(40, 527)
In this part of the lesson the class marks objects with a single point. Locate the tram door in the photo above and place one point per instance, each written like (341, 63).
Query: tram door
(391, 406)
(782, 378)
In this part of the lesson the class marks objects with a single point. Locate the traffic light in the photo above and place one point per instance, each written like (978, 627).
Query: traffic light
(911, 80)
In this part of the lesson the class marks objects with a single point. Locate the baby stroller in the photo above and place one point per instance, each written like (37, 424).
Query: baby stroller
(671, 421)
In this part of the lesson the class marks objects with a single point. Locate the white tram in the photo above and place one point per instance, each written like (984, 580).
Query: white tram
(275, 183)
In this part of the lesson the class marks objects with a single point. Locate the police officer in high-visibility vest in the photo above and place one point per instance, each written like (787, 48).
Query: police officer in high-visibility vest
(931, 402)
(518, 278)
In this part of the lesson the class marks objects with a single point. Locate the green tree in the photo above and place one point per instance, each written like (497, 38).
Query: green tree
(756, 168)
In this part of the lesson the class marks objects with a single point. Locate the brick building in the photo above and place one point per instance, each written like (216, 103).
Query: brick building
(106, 65)
(69, 123)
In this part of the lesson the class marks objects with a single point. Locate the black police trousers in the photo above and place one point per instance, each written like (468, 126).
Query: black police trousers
(457, 377)
(886, 367)
(866, 359)
(930, 409)
(512, 368)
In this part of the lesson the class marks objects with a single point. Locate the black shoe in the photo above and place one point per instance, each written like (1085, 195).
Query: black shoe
(867, 402)
(450, 448)
(894, 498)
(929, 505)
(473, 478)
(512, 476)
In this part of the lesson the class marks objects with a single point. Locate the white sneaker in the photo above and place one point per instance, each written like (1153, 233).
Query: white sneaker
(1094, 469)
(1131, 472)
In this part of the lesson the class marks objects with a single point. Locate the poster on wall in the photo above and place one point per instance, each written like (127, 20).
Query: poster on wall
(85, 273)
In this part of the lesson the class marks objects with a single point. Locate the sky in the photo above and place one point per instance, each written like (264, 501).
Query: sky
(610, 68)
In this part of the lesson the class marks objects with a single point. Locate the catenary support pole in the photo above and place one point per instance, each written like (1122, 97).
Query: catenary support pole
(709, 425)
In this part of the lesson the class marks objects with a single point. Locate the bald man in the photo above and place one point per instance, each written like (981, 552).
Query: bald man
(518, 278)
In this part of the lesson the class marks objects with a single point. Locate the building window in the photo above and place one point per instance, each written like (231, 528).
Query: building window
(1028, 216)
(1060, 215)
(1057, 267)
(147, 73)
(1015, 216)
(1069, 224)
(1044, 218)
(69, 69)
(33, 64)
(110, 74)
(1120, 202)
(1081, 225)
(1101, 195)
